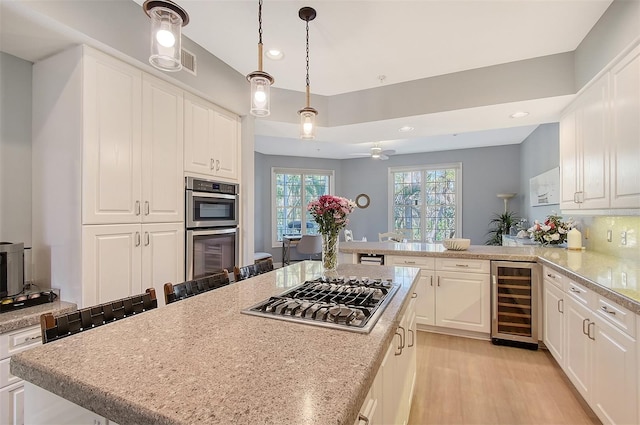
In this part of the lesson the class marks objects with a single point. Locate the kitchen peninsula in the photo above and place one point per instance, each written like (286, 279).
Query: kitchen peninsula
(201, 360)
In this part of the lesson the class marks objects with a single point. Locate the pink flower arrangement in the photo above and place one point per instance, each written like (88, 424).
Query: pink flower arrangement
(553, 231)
(330, 212)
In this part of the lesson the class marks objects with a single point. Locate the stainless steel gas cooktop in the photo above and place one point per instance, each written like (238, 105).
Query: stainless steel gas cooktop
(345, 303)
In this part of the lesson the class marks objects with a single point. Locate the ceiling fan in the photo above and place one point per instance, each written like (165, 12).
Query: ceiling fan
(377, 153)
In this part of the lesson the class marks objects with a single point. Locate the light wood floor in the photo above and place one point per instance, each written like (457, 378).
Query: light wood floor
(467, 381)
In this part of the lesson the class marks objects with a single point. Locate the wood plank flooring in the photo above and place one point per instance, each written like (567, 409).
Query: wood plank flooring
(467, 381)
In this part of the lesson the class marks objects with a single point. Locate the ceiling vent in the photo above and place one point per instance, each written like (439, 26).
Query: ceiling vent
(188, 60)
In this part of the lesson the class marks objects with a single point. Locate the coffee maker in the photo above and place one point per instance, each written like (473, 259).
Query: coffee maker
(11, 268)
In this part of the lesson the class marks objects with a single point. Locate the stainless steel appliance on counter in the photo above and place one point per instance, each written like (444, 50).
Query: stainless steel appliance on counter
(514, 303)
(11, 268)
(341, 303)
(211, 221)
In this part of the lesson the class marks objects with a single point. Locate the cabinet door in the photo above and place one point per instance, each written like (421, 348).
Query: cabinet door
(162, 256)
(162, 152)
(578, 348)
(463, 301)
(568, 161)
(391, 382)
(554, 321)
(226, 136)
(198, 135)
(12, 404)
(426, 301)
(615, 367)
(593, 134)
(111, 263)
(111, 186)
(625, 132)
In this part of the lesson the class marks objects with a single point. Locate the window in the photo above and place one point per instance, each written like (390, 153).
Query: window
(426, 201)
(292, 191)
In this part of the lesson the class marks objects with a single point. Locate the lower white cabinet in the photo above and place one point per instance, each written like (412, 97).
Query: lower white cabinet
(11, 387)
(389, 398)
(453, 293)
(124, 260)
(554, 310)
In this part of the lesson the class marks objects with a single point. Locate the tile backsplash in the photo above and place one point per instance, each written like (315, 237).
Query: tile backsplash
(624, 231)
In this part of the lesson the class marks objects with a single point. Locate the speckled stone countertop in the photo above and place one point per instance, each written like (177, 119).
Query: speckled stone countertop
(200, 361)
(611, 277)
(22, 318)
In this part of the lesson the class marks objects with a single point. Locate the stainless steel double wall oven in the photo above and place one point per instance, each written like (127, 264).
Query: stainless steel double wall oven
(212, 233)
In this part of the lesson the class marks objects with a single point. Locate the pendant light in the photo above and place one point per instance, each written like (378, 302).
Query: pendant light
(307, 114)
(260, 80)
(167, 19)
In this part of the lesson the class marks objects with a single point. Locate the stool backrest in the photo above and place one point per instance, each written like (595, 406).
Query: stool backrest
(245, 272)
(57, 327)
(173, 293)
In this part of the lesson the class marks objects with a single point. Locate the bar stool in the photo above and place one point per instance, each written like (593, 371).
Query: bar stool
(173, 293)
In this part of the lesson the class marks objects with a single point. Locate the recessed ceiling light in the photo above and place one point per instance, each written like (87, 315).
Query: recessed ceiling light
(405, 129)
(519, 114)
(274, 54)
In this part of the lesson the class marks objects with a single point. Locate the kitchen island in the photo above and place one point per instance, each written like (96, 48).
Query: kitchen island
(201, 360)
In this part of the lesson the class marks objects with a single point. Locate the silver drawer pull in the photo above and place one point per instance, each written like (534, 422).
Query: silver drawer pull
(606, 310)
(362, 417)
(462, 265)
(414, 295)
(575, 290)
(552, 276)
(409, 262)
(32, 338)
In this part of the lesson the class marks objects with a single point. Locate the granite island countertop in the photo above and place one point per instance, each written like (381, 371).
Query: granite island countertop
(614, 278)
(201, 361)
(25, 317)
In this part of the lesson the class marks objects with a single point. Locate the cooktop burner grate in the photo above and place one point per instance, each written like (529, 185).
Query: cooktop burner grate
(341, 303)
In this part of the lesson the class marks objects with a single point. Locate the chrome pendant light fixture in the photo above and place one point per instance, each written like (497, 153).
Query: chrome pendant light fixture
(307, 114)
(260, 81)
(167, 20)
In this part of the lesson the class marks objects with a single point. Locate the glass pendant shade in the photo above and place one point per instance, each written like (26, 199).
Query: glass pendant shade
(308, 123)
(167, 20)
(260, 93)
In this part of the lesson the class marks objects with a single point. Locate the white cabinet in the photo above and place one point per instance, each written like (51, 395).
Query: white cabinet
(601, 357)
(452, 293)
(132, 145)
(211, 140)
(553, 317)
(599, 139)
(123, 260)
(625, 132)
(12, 387)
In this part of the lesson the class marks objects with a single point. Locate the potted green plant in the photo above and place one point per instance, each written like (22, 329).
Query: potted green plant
(500, 225)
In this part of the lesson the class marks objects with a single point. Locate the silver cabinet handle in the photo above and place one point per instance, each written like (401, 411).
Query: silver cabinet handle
(584, 330)
(31, 338)
(146, 207)
(403, 339)
(212, 164)
(217, 165)
(552, 276)
(414, 295)
(438, 280)
(362, 417)
(146, 239)
(575, 197)
(559, 309)
(399, 347)
(575, 290)
(462, 265)
(606, 310)
(137, 238)
(593, 338)
(137, 207)
(431, 280)
(409, 262)
(413, 338)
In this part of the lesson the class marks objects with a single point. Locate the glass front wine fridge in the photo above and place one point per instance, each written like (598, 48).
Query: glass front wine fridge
(514, 303)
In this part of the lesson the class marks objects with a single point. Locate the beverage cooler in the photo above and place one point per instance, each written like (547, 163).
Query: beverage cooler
(514, 303)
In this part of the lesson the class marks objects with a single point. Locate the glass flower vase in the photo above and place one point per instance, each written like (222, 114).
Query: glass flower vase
(330, 251)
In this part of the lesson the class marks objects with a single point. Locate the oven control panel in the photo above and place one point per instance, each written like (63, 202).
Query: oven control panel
(201, 185)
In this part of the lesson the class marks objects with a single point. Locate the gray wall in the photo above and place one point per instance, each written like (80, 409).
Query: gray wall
(485, 172)
(618, 27)
(15, 149)
(538, 153)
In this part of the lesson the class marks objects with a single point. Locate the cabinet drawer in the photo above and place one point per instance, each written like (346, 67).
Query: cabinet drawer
(553, 276)
(580, 293)
(617, 315)
(463, 265)
(6, 378)
(422, 262)
(14, 342)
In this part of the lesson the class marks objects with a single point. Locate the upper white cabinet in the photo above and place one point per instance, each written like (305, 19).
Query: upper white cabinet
(599, 142)
(212, 140)
(625, 132)
(132, 145)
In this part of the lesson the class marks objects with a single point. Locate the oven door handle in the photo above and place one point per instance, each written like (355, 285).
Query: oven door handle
(212, 195)
(222, 231)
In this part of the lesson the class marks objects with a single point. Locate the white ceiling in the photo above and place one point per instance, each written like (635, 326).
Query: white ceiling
(353, 42)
